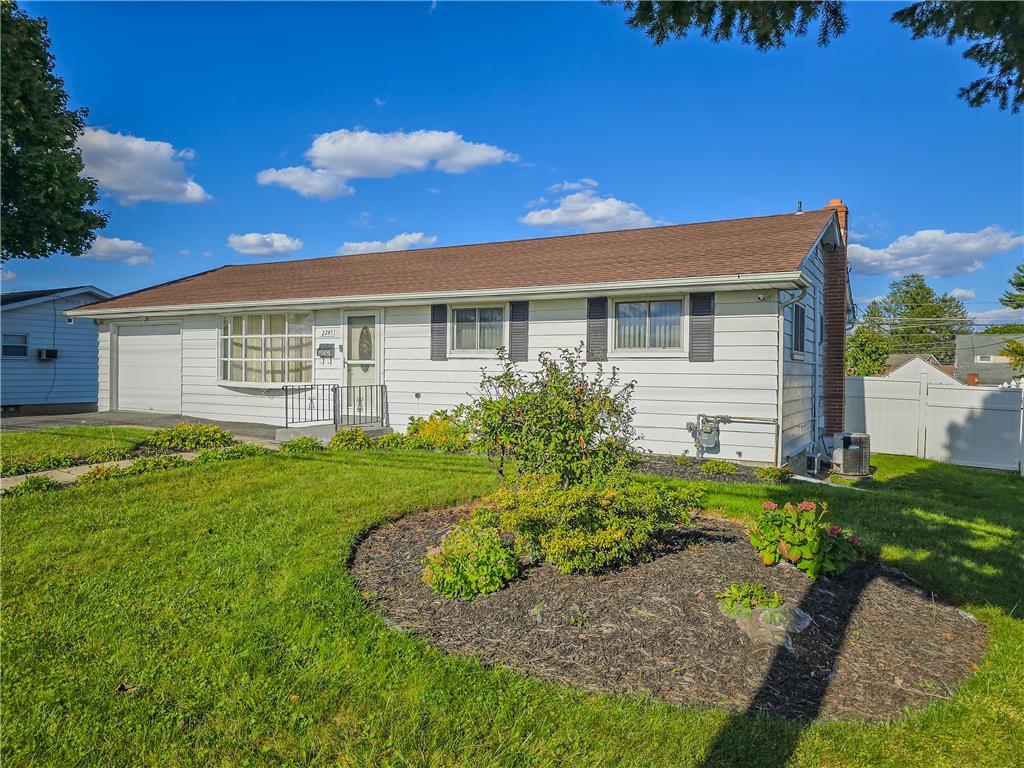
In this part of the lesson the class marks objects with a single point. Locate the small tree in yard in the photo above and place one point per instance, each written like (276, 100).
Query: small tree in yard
(866, 352)
(558, 421)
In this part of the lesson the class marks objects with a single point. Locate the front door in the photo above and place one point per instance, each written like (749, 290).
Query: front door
(361, 350)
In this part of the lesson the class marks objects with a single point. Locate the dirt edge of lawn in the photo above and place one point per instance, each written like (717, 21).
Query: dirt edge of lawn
(879, 644)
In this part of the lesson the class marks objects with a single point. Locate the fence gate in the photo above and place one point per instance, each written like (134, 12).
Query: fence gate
(972, 426)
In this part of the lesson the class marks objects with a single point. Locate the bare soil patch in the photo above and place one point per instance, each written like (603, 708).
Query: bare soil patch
(878, 645)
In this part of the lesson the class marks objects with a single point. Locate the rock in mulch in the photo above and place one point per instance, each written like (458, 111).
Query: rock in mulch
(878, 644)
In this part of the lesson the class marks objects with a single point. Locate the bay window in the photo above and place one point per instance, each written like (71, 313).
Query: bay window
(266, 348)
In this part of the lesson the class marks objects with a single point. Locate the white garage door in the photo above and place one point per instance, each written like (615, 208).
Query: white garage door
(149, 368)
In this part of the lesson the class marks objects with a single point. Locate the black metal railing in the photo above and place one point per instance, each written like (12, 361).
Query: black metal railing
(344, 406)
(362, 404)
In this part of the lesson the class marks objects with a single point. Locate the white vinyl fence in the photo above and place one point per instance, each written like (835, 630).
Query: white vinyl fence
(973, 426)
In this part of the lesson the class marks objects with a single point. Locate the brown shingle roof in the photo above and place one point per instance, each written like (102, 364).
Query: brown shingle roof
(764, 244)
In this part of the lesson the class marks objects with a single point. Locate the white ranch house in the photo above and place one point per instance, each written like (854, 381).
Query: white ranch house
(741, 319)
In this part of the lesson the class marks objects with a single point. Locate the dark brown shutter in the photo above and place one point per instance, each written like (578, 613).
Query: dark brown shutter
(597, 329)
(702, 327)
(519, 331)
(439, 332)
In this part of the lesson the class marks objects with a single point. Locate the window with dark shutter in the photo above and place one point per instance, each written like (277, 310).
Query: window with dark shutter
(799, 328)
(439, 332)
(597, 329)
(519, 331)
(702, 327)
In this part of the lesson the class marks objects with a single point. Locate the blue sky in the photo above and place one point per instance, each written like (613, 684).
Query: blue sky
(471, 122)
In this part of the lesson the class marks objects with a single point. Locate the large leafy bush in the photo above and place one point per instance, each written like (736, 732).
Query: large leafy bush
(472, 560)
(560, 421)
(191, 437)
(591, 527)
(796, 533)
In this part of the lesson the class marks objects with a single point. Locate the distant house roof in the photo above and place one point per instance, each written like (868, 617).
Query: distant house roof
(971, 347)
(10, 299)
(897, 361)
(728, 249)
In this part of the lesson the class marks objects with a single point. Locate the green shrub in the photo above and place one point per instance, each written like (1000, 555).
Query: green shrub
(682, 460)
(718, 467)
(350, 440)
(444, 431)
(741, 597)
(301, 445)
(109, 454)
(472, 560)
(798, 535)
(588, 528)
(34, 484)
(775, 475)
(140, 466)
(240, 451)
(560, 421)
(191, 437)
(9, 468)
(392, 441)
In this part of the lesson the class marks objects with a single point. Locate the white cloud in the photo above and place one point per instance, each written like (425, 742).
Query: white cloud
(208, 253)
(572, 186)
(337, 157)
(6, 274)
(269, 244)
(857, 237)
(587, 211)
(537, 201)
(999, 316)
(399, 242)
(185, 252)
(130, 252)
(934, 252)
(379, 101)
(962, 293)
(137, 169)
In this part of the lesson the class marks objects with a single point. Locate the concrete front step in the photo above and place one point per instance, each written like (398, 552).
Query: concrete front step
(324, 432)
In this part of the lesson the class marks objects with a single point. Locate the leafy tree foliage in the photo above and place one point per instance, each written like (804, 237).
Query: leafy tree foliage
(762, 24)
(918, 320)
(1005, 329)
(46, 202)
(866, 351)
(994, 29)
(1014, 296)
(1015, 351)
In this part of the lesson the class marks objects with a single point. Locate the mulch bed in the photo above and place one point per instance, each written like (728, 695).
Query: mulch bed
(878, 643)
(667, 466)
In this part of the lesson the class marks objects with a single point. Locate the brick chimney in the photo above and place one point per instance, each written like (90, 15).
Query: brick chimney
(834, 374)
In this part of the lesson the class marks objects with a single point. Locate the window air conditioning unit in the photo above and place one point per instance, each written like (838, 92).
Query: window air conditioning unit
(46, 354)
(852, 454)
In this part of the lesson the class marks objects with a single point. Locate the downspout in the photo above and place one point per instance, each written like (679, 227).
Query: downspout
(782, 359)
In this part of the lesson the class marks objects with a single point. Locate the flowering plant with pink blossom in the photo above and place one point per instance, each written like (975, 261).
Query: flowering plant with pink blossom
(797, 534)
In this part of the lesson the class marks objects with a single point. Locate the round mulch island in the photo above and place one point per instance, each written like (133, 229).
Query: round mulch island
(877, 644)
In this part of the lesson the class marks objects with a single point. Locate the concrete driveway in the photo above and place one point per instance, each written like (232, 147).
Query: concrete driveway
(262, 432)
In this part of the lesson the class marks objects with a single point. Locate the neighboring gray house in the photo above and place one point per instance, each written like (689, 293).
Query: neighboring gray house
(49, 362)
(980, 353)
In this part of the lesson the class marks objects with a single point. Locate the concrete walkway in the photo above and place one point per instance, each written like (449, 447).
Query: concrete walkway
(239, 429)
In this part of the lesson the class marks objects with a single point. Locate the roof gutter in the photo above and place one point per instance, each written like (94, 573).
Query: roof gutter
(768, 280)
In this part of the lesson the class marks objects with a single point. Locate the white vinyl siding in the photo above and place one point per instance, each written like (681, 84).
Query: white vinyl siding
(670, 390)
(803, 370)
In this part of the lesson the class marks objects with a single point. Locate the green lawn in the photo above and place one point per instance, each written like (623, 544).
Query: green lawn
(44, 444)
(220, 596)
